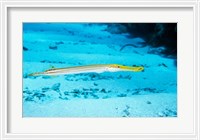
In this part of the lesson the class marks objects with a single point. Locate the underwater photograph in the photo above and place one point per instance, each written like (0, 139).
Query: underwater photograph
(99, 69)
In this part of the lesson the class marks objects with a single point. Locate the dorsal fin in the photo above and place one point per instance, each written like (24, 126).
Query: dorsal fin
(51, 68)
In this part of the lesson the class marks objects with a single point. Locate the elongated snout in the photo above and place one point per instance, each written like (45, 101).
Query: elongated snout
(128, 68)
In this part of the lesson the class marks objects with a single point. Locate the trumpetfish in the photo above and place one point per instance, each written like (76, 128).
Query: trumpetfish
(98, 68)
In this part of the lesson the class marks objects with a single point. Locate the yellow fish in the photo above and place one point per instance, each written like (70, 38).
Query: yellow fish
(89, 68)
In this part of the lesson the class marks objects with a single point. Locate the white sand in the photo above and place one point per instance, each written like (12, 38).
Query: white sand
(152, 105)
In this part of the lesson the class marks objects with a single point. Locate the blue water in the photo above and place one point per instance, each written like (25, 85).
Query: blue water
(150, 93)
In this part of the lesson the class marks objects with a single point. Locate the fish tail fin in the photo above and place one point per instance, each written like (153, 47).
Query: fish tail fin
(35, 74)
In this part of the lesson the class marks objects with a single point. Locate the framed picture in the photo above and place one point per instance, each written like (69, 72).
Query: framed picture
(99, 70)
